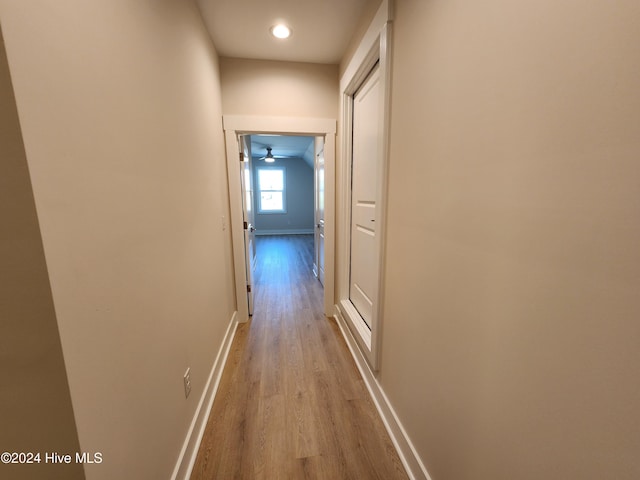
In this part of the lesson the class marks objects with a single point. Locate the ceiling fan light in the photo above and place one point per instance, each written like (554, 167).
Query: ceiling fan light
(269, 159)
(281, 31)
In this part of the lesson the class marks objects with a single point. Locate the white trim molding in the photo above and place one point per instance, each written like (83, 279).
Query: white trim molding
(235, 125)
(189, 452)
(375, 47)
(406, 451)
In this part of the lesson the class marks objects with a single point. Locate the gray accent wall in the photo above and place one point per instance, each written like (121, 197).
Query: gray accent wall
(298, 201)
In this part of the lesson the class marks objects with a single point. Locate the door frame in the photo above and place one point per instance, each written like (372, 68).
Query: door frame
(374, 47)
(235, 125)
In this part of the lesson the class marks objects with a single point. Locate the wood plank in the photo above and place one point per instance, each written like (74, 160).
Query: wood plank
(291, 402)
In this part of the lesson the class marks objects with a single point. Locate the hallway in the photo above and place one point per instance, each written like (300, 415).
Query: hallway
(291, 403)
(505, 344)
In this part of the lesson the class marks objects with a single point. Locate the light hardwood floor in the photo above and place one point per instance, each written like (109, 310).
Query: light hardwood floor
(291, 403)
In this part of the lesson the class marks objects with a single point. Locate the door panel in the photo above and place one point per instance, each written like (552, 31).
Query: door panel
(366, 157)
(318, 267)
(248, 214)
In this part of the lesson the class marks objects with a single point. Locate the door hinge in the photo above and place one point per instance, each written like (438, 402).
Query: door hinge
(246, 225)
(242, 156)
(248, 288)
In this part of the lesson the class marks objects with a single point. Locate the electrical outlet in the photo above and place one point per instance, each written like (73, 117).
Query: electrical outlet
(187, 383)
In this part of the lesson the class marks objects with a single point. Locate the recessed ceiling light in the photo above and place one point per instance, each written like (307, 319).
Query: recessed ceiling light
(281, 31)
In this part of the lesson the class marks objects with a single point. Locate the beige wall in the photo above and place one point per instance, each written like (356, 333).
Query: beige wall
(37, 415)
(360, 29)
(512, 317)
(120, 109)
(287, 89)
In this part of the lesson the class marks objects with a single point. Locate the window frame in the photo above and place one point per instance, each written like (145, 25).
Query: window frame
(259, 190)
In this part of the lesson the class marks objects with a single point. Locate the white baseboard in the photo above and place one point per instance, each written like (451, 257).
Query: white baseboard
(293, 231)
(408, 454)
(187, 458)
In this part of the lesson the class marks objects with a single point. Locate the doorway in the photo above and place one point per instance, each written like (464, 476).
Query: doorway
(278, 194)
(237, 126)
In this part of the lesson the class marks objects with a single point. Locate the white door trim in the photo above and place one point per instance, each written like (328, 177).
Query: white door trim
(235, 125)
(374, 47)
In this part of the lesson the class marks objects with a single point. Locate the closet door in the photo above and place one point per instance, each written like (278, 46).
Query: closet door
(365, 165)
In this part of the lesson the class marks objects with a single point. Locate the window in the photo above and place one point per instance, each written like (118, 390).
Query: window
(271, 190)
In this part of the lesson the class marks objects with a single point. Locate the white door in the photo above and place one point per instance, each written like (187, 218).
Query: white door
(318, 264)
(366, 159)
(248, 215)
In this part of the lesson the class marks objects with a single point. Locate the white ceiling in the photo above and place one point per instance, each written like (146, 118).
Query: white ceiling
(321, 28)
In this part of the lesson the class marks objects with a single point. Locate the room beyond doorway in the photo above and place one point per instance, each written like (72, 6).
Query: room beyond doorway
(283, 174)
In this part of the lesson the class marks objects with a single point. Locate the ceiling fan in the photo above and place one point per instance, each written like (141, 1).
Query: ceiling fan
(269, 157)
